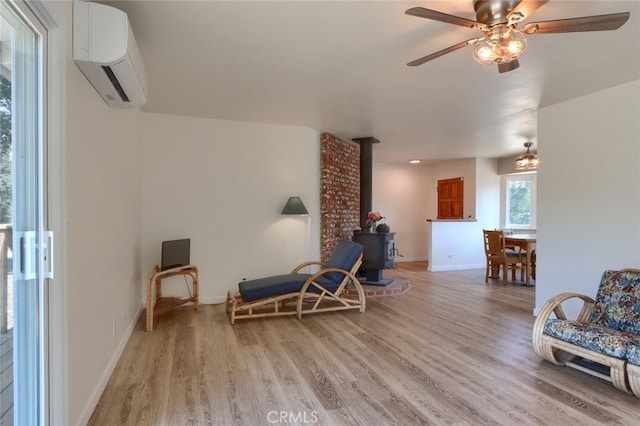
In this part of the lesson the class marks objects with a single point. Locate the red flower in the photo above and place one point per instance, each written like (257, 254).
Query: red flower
(374, 217)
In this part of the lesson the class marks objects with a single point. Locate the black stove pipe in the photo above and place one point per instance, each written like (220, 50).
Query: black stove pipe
(366, 176)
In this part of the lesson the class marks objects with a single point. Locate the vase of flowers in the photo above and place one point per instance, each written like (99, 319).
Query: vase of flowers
(373, 220)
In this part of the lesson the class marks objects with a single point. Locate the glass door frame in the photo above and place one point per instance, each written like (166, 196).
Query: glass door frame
(32, 404)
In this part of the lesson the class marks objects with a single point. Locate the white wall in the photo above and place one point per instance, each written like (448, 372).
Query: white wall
(588, 190)
(455, 245)
(401, 194)
(223, 184)
(487, 194)
(98, 228)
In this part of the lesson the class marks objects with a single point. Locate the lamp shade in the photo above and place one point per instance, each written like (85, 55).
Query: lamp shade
(294, 206)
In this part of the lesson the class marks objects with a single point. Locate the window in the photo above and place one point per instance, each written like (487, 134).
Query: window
(520, 211)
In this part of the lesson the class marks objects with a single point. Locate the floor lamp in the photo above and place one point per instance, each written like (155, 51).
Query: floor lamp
(295, 206)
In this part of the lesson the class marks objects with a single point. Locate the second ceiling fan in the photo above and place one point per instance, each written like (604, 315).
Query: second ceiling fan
(502, 42)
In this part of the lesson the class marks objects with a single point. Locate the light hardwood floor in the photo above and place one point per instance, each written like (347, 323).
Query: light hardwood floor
(451, 351)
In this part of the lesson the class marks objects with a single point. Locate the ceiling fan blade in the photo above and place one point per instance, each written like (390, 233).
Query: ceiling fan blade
(442, 52)
(524, 9)
(587, 23)
(508, 66)
(421, 12)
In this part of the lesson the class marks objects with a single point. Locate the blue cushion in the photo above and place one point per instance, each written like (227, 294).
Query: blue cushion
(513, 254)
(344, 256)
(279, 284)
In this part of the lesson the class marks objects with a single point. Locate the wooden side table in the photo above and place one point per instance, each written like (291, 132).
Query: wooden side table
(159, 305)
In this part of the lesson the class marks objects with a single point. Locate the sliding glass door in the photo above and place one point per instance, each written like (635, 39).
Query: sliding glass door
(24, 248)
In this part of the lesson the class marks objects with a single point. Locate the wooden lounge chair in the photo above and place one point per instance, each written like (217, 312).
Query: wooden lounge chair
(298, 293)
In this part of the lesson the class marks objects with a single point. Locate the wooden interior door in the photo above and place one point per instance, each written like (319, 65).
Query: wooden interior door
(450, 196)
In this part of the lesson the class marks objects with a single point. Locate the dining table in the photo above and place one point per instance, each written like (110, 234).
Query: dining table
(527, 243)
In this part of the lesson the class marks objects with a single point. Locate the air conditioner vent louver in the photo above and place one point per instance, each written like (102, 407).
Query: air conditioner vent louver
(114, 80)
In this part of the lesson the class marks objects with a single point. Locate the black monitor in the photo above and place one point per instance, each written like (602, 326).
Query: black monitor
(175, 253)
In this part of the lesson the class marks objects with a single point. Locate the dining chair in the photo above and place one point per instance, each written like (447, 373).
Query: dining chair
(497, 255)
(533, 263)
(509, 247)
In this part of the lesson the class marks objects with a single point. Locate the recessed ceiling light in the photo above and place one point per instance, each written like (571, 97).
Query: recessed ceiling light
(416, 161)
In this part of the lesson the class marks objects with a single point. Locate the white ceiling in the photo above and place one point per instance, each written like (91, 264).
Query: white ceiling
(340, 67)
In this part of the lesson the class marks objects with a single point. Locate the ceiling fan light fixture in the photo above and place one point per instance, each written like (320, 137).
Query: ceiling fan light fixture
(502, 44)
(528, 160)
(483, 53)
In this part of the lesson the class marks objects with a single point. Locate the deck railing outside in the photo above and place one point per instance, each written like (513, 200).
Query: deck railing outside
(6, 324)
(6, 292)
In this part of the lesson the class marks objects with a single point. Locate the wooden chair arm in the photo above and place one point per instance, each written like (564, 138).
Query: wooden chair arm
(311, 281)
(554, 306)
(304, 265)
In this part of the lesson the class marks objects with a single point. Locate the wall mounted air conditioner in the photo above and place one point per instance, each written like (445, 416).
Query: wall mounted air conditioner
(106, 52)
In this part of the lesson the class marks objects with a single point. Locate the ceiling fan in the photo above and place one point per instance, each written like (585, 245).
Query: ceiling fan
(502, 42)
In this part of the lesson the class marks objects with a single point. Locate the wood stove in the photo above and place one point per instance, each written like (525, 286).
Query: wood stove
(379, 254)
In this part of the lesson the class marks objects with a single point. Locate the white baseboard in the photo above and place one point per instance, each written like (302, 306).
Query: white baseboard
(106, 374)
(456, 267)
(213, 300)
(410, 259)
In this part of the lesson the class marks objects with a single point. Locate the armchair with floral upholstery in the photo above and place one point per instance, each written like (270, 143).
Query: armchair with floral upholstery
(605, 332)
